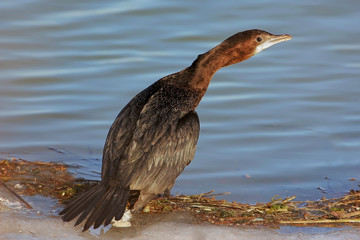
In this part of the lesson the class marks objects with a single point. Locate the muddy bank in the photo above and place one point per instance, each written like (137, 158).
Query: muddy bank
(22, 178)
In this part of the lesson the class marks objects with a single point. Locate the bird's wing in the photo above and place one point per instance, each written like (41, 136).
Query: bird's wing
(159, 166)
(163, 138)
(121, 132)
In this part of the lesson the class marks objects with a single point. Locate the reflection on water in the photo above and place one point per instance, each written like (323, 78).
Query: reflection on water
(279, 123)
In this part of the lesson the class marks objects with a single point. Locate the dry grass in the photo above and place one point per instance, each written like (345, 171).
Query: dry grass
(47, 179)
(332, 212)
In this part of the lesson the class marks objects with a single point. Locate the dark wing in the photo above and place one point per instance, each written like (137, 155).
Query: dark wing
(163, 141)
(163, 162)
(121, 133)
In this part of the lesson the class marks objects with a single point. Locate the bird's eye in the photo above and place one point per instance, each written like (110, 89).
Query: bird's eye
(258, 39)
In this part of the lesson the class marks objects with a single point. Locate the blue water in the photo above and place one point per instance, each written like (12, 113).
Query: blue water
(284, 122)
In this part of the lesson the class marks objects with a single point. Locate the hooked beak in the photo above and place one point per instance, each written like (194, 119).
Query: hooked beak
(272, 41)
(279, 38)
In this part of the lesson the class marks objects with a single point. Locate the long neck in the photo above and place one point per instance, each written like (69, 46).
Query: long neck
(206, 65)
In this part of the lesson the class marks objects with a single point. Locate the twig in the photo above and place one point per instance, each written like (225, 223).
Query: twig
(16, 195)
(346, 220)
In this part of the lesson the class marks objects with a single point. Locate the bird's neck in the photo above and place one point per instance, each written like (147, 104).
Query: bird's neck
(197, 77)
(207, 64)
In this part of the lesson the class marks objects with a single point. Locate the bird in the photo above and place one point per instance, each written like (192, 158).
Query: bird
(154, 137)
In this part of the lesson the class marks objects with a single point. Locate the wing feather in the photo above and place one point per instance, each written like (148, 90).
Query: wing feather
(149, 145)
(165, 160)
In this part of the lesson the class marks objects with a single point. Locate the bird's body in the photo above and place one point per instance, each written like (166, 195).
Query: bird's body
(154, 137)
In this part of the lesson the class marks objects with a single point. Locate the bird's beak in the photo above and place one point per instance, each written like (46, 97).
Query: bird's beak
(279, 38)
(274, 39)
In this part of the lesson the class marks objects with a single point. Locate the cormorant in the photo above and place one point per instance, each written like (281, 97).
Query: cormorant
(154, 137)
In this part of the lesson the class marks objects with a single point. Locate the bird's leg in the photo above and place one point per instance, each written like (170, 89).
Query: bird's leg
(167, 191)
(143, 199)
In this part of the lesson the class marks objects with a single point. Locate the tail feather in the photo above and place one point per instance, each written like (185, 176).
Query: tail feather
(122, 199)
(117, 198)
(79, 205)
(98, 216)
(101, 203)
(120, 211)
(91, 205)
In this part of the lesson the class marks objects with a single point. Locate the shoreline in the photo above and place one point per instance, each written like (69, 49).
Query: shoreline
(26, 178)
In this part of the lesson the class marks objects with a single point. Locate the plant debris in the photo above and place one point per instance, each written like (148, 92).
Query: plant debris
(333, 212)
(45, 178)
(53, 180)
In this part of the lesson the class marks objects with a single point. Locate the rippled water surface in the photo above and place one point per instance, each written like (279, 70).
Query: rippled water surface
(285, 122)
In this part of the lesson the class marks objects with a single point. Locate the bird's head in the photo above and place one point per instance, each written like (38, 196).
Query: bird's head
(235, 49)
(244, 45)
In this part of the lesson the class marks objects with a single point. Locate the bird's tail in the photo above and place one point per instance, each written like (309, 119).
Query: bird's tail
(101, 203)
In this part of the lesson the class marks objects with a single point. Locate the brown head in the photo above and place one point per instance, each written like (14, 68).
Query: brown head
(244, 45)
(240, 47)
(235, 49)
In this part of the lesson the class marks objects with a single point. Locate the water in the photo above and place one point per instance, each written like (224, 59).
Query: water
(284, 122)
